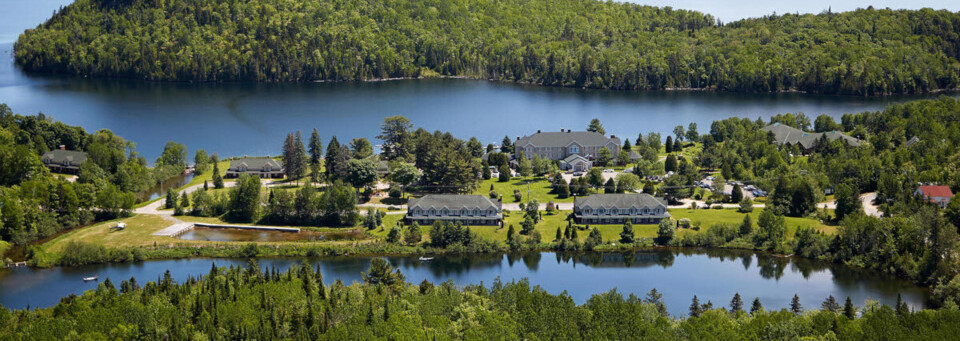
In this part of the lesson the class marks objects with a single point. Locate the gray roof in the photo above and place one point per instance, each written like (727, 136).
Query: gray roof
(912, 141)
(638, 200)
(255, 163)
(784, 134)
(573, 157)
(453, 201)
(634, 155)
(59, 156)
(562, 139)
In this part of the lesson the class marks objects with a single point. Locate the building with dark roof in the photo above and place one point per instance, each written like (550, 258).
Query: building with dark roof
(790, 136)
(639, 208)
(939, 195)
(463, 209)
(263, 167)
(64, 161)
(561, 145)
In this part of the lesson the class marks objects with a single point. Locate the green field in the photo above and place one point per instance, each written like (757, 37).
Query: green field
(539, 188)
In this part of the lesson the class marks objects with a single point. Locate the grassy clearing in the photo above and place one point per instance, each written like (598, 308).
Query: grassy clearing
(708, 217)
(139, 232)
(539, 188)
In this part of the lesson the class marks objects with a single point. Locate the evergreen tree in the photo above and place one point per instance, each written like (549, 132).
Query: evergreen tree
(795, 306)
(654, 297)
(756, 306)
(506, 146)
(848, 309)
(695, 308)
(901, 307)
(610, 187)
(171, 199)
(831, 305)
(316, 155)
(736, 304)
(736, 195)
(669, 145)
(670, 164)
(559, 235)
(332, 159)
(217, 178)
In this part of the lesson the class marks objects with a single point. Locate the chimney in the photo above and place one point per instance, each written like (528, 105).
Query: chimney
(538, 131)
(63, 147)
(568, 130)
(518, 138)
(613, 136)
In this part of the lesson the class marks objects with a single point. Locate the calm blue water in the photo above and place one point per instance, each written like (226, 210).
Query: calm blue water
(237, 119)
(712, 276)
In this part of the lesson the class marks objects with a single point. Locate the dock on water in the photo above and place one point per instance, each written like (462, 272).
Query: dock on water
(179, 228)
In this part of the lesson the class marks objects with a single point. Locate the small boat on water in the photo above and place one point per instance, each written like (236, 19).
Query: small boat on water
(423, 259)
(94, 278)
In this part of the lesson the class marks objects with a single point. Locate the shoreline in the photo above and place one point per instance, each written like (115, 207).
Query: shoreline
(476, 78)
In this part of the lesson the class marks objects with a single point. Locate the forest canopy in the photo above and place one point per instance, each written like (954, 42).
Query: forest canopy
(594, 44)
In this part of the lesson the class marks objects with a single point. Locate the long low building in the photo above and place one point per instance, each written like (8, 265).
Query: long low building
(464, 209)
(263, 167)
(790, 136)
(639, 208)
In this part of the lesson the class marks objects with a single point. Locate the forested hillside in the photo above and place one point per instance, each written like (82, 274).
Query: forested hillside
(247, 304)
(575, 43)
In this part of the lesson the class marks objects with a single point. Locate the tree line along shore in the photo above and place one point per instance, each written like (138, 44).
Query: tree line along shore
(571, 43)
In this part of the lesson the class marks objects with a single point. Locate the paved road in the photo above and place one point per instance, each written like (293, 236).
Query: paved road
(868, 207)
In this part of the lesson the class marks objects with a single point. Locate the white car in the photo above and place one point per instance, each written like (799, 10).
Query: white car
(608, 171)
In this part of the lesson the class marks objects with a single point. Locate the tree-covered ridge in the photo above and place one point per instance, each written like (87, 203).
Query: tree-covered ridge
(247, 304)
(562, 43)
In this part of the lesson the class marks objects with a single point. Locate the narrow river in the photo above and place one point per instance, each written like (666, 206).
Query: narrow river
(711, 275)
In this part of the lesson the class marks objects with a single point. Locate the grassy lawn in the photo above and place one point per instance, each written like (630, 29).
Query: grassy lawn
(539, 188)
(139, 231)
(708, 217)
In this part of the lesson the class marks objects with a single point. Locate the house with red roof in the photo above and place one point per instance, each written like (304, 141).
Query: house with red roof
(939, 195)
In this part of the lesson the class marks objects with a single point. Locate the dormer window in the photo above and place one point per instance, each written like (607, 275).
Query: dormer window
(574, 150)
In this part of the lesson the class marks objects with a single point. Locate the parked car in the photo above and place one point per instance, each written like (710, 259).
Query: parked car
(577, 173)
(608, 170)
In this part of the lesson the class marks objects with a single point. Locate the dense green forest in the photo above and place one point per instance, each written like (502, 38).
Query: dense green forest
(35, 203)
(250, 303)
(593, 44)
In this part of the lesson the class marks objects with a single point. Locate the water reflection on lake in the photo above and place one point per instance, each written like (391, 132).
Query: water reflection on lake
(711, 275)
(243, 235)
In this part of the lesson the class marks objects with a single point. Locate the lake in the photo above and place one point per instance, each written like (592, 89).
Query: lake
(711, 275)
(237, 119)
